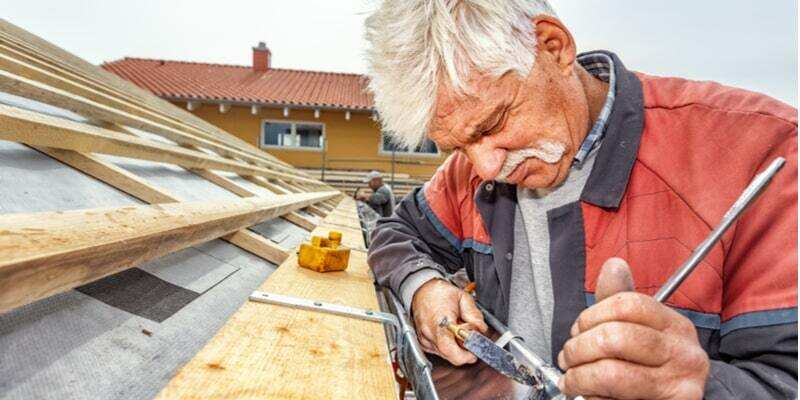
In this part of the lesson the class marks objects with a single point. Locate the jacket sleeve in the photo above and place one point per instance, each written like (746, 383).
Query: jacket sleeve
(379, 197)
(758, 344)
(407, 250)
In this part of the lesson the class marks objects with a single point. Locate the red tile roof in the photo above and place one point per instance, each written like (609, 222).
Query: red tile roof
(217, 82)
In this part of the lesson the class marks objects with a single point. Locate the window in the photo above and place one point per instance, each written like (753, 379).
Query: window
(427, 146)
(292, 134)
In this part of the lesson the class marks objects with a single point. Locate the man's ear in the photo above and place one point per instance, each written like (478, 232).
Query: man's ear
(554, 38)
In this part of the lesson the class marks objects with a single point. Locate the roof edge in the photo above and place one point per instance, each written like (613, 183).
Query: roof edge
(126, 58)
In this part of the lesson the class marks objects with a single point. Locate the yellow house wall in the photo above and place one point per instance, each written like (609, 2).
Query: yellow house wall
(353, 144)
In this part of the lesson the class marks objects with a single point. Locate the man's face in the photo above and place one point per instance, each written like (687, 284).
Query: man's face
(524, 131)
(375, 183)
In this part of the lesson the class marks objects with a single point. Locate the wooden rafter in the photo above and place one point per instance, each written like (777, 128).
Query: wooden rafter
(241, 191)
(37, 129)
(46, 253)
(141, 189)
(28, 52)
(96, 111)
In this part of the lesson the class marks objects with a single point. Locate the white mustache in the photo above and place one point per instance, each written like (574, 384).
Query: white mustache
(549, 152)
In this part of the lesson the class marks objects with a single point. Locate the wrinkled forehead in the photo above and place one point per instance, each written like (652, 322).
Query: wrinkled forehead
(460, 116)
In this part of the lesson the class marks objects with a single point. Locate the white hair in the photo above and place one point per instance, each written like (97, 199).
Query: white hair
(413, 43)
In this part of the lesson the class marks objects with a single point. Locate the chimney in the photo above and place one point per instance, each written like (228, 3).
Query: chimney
(261, 57)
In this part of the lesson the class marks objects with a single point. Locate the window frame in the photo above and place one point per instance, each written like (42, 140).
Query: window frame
(405, 153)
(293, 123)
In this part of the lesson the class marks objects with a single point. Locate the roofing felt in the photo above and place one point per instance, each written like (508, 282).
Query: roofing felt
(220, 82)
(101, 340)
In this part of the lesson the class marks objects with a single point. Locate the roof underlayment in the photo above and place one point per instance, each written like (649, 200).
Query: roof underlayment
(55, 344)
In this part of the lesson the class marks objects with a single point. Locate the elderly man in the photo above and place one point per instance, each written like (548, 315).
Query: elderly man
(381, 199)
(575, 188)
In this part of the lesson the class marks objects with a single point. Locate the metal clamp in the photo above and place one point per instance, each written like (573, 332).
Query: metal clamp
(330, 308)
(506, 337)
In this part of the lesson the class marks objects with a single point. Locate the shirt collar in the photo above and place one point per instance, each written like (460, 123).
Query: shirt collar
(601, 66)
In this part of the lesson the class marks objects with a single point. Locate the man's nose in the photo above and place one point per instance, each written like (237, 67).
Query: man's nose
(486, 159)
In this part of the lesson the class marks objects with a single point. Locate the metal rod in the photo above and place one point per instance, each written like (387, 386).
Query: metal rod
(747, 197)
(330, 308)
(413, 362)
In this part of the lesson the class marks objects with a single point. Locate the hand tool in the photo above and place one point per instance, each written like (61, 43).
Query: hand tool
(493, 355)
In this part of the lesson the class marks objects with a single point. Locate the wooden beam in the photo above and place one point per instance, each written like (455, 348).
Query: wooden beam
(300, 220)
(280, 190)
(241, 191)
(64, 63)
(43, 130)
(258, 245)
(269, 351)
(192, 105)
(224, 108)
(254, 109)
(223, 182)
(29, 88)
(45, 253)
(266, 184)
(141, 189)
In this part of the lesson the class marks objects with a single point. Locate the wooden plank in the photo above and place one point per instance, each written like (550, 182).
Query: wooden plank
(223, 182)
(30, 81)
(239, 190)
(54, 59)
(266, 184)
(268, 351)
(289, 188)
(258, 245)
(112, 84)
(35, 90)
(49, 252)
(37, 129)
(300, 220)
(141, 189)
(274, 188)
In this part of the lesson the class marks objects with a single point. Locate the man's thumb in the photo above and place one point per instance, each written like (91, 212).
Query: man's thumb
(615, 276)
(470, 313)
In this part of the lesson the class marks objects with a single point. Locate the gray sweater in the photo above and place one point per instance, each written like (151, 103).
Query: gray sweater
(530, 312)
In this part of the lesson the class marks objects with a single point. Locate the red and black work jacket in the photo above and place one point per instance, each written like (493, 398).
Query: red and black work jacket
(675, 156)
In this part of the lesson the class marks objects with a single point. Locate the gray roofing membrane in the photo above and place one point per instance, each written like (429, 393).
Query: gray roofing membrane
(99, 342)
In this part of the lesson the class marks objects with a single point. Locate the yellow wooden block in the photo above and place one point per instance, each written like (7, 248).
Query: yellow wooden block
(324, 254)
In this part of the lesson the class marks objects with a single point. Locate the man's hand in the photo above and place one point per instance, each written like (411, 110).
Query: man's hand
(628, 346)
(435, 300)
(362, 197)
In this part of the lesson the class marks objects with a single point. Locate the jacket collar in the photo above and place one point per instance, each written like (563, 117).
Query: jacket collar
(612, 168)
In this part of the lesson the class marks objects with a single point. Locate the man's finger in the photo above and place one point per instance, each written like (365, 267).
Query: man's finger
(471, 314)
(617, 340)
(427, 345)
(615, 276)
(448, 348)
(451, 351)
(616, 379)
(630, 307)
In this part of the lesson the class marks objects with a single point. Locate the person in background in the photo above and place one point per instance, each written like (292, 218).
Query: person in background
(381, 199)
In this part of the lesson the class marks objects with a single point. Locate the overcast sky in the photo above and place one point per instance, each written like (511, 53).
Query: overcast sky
(751, 44)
